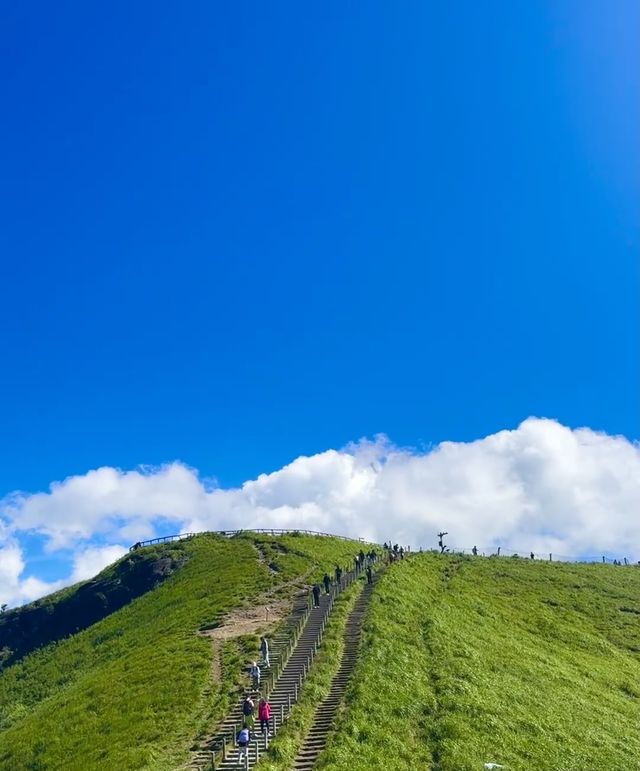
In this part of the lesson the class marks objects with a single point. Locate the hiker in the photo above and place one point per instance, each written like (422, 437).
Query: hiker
(247, 712)
(474, 551)
(316, 596)
(356, 563)
(264, 651)
(532, 555)
(361, 556)
(338, 575)
(326, 580)
(369, 575)
(402, 552)
(243, 739)
(255, 676)
(264, 715)
(385, 545)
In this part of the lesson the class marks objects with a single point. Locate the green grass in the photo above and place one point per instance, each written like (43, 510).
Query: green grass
(133, 690)
(533, 665)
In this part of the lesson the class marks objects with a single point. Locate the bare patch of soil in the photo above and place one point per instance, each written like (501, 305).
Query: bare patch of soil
(259, 618)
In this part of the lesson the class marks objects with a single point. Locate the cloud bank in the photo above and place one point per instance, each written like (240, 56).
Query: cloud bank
(541, 487)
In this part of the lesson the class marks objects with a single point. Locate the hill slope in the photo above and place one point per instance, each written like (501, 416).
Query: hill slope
(132, 690)
(464, 661)
(467, 661)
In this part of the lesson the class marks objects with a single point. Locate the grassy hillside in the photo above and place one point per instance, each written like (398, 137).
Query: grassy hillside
(132, 690)
(75, 608)
(466, 661)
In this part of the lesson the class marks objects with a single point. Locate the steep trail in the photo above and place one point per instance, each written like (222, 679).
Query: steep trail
(323, 720)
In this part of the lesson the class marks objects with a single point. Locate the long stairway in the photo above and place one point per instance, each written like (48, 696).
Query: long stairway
(292, 653)
(316, 739)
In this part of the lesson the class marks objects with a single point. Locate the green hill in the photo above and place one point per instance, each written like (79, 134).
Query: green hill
(464, 661)
(467, 661)
(133, 689)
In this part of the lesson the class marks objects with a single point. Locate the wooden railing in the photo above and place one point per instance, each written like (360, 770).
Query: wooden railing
(231, 533)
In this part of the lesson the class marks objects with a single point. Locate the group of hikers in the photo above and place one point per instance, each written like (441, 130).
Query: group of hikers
(394, 552)
(245, 734)
(361, 562)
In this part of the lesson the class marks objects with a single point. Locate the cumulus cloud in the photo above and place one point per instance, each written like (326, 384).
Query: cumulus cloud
(541, 486)
(14, 588)
(92, 560)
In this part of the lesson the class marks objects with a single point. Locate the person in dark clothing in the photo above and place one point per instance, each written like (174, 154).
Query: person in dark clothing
(356, 563)
(532, 555)
(369, 575)
(338, 574)
(316, 596)
(402, 552)
(326, 580)
(474, 551)
(361, 556)
(247, 712)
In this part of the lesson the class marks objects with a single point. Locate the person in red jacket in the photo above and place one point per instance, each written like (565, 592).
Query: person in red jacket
(264, 714)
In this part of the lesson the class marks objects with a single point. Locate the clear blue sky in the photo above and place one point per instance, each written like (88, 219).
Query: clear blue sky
(236, 233)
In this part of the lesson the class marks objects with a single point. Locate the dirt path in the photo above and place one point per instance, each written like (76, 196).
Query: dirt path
(262, 616)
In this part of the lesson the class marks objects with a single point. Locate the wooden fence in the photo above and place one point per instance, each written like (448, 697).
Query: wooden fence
(231, 533)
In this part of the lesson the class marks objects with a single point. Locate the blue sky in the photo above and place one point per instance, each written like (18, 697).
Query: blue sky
(235, 234)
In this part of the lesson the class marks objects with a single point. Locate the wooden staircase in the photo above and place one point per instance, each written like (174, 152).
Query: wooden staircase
(323, 719)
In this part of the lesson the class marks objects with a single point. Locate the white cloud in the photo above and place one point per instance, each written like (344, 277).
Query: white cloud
(92, 560)
(13, 588)
(541, 486)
